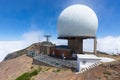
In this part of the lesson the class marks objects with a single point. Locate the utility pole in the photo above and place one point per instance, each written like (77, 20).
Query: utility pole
(117, 51)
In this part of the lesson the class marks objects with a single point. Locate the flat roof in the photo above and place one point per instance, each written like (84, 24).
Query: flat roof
(76, 37)
(62, 46)
(87, 56)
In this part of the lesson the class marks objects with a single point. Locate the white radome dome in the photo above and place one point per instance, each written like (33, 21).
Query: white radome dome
(77, 20)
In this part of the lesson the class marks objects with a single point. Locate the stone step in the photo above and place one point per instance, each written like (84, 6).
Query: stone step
(90, 67)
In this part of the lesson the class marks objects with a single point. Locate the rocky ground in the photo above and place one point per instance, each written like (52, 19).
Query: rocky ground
(106, 71)
(11, 69)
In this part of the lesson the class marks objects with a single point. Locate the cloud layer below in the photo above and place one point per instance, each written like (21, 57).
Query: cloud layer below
(11, 46)
(107, 44)
(8, 47)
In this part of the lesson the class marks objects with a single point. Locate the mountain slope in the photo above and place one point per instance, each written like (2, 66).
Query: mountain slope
(9, 69)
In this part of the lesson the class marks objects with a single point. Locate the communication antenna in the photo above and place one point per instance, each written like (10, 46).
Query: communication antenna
(117, 51)
(47, 37)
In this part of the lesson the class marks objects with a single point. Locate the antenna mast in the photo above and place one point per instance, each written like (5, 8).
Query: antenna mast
(47, 37)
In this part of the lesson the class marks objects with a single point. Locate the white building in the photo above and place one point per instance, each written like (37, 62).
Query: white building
(86, 62)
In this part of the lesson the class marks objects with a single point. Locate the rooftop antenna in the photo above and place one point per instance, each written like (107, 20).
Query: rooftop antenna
(47, 37)
(117, 51)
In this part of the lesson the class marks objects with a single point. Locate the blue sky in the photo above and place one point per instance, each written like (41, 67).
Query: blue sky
(20, 16)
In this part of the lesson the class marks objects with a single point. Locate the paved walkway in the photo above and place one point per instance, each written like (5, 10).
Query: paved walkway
(56, 62)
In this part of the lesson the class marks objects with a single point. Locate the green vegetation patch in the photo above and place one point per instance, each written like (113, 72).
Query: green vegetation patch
(57, 70)
(25, 76)
(34, 72)
(98, 78)
(28, 75)
(31, 67)
(107, 72)
(48, 69)
(39, 68)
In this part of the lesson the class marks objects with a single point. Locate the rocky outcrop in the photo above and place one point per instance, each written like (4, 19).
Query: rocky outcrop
(15, 54)
(36, 47)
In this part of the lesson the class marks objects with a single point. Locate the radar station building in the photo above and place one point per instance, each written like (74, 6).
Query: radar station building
(75, 23)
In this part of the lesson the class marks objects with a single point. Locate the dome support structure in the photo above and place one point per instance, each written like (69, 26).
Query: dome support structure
(76, 43)
(95, 45)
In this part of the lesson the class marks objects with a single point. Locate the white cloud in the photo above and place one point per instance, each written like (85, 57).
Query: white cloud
(109, 44)
(8, 47)
(32, 37)
(88, 45)
(11, 46)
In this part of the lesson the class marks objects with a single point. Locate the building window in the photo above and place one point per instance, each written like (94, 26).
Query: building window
(84, 62)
